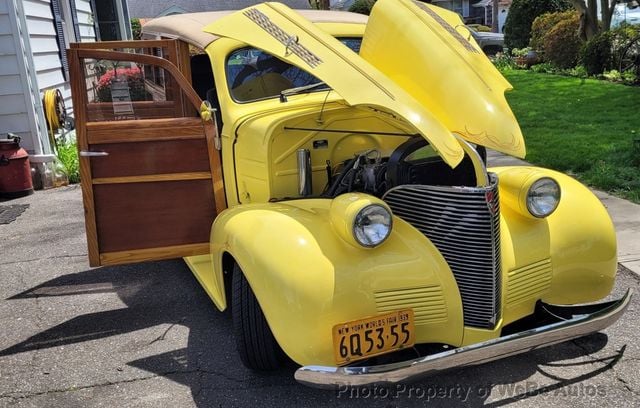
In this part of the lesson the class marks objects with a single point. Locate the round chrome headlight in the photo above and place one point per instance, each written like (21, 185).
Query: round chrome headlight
(543, 197)
(372, 225)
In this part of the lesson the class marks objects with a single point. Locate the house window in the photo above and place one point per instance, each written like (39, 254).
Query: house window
(108, 23)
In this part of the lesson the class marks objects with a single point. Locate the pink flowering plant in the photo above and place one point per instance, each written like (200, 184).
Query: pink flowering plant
(131, 76)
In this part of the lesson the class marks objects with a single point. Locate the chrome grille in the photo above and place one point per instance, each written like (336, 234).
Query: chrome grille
(464, 224)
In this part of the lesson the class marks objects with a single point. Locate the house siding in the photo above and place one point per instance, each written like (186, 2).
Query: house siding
(21, 108)
(44, 48)
(15, 103)
(85, 21)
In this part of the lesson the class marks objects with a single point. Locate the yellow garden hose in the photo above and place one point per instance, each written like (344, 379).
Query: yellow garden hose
(54, 112)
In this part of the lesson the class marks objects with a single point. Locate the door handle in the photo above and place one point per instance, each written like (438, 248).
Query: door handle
(84, 153)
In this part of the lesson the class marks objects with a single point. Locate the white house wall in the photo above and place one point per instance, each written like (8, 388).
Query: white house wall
(46, 58)
(16, 108)
(43, 60)
(85, 21)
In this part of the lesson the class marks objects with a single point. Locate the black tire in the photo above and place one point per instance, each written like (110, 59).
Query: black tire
(257, 347)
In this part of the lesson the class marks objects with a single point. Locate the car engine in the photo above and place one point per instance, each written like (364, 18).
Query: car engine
(410, 163)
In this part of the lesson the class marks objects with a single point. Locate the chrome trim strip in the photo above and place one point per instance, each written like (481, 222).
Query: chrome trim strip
(305, 187)
(84, 153)
(478, 164)
(479, 353)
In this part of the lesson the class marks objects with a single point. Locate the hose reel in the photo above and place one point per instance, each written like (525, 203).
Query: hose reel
(55, 113)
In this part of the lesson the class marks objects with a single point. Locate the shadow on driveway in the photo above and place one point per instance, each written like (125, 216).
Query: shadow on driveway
(166, 293)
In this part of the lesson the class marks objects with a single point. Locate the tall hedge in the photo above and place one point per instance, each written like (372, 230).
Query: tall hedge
(517, 28)
(596, 55)
(543, 24)
(562, 43)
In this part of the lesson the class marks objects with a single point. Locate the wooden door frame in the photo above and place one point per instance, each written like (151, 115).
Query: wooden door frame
(77, 53)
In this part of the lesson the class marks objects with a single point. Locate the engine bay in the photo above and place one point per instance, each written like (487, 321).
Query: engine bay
(340, 150)
(412, 162)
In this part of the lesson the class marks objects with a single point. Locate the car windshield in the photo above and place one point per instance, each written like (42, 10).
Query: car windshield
(253, 74)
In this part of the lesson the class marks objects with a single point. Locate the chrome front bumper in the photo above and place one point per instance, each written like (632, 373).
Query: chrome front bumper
(578, 321)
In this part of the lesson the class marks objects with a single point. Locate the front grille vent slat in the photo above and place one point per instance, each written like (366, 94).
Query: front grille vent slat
(528, 282)
(464, 224)
(427, 302)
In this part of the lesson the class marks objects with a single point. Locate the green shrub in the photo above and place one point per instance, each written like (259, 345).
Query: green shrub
(631, 77)
(627, 77)
(68, 157)
(542, 25)
(579, 72)
(136, 29)
(362, 6)
(596, 56)
(544, 68)
(504, 61)
(562, 44)
(520, 52)
(517, 28)
(613, 75)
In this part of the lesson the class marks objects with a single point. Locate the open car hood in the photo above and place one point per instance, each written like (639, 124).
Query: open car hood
(278, 30)
(433, 56)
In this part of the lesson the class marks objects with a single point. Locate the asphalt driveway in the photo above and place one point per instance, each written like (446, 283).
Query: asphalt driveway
(146, 335)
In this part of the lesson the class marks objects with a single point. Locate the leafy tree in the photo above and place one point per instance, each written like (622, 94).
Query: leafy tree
(517, 28)
(136, 28)
(588, 10)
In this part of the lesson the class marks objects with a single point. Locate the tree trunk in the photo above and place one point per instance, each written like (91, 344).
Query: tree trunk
(323, 4)
(607, 7)
(495, 24)
(588, 18)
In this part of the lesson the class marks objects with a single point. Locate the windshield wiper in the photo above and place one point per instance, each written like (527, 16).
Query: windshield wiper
(292, 91)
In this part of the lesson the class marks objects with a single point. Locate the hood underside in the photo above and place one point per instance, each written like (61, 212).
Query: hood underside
(433, 56)
(364, 81)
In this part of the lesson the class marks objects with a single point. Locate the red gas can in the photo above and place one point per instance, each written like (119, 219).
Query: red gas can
(15, 170)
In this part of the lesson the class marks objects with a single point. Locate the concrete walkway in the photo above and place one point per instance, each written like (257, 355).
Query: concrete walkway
(625, 216)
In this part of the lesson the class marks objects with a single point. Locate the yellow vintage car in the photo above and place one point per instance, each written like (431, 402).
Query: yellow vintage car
(323, 174)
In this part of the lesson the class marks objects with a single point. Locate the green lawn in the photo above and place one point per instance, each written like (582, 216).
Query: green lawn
(585, 128)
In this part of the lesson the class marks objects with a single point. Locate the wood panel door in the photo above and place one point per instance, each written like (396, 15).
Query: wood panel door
(149, 163)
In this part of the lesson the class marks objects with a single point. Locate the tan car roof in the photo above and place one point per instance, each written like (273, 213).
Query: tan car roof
(188, 27)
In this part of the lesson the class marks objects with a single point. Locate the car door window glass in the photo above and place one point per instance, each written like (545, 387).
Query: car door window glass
(127, 89)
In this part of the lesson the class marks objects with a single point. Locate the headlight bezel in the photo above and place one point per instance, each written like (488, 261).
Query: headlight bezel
(529, 197)
(342, 214)
(360, 213)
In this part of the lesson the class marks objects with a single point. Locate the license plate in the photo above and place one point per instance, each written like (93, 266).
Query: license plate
(373, 336)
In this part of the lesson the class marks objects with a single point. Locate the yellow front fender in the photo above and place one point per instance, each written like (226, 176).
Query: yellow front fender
(577, 240)
(307, 279)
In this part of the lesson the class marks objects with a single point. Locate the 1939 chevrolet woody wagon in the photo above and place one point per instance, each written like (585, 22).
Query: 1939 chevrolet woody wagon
(323, 175)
